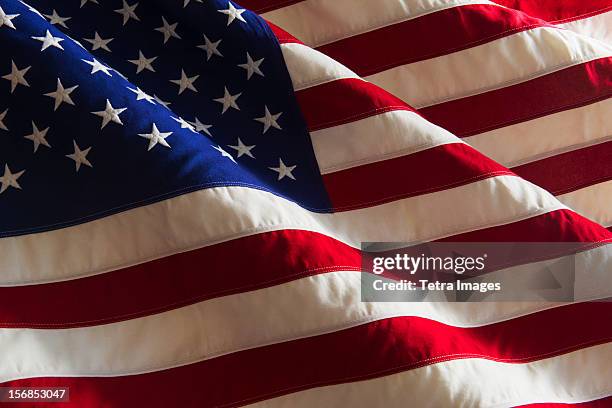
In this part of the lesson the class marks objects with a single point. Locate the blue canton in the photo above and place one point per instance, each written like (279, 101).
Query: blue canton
(109, 105)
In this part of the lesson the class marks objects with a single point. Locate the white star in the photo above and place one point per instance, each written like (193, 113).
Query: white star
(224, 153)
(5, 19)
(99, 42)
(128, 12)
(186, 2)
(140, 95)
(201, 127)
(252, 66)
(156, 137)
(49, 40)
(54, 18)
(17, 76)
(269, 120)
(97, 66)
(83, 2)
(283, 170)
(243, 149)
(228, 100)
(143, 63)
(61, 94)
(9, 179)
(109, 114)
(79, 156)
(2, 115)
(38, 137)
(210, 47)
(168, 30)
(233, 13)
(185, 82)
(184, 124)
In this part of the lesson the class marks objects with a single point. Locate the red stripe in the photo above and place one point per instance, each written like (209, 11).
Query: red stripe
(590, 82)
(429, 36)
(176, 280)
(598, 403)
(555, 226)
(215, 271)
(557, 10)
(570, 171)
(371, 350)
(282, 36)
(430, 170)
(262, 6)
(550, 10)
(345, 100)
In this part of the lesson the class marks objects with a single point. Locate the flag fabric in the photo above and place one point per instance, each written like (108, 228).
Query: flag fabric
(186, 185)
(527, 85)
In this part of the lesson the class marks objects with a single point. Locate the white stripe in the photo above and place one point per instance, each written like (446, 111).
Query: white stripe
(546, 136)
(360, 142)
(319, 22)
(219, 214)
(595, 202)
(598, 26)
(306, 307)
(496, 64)
(574, 377)
(506, 61)
(308, 67)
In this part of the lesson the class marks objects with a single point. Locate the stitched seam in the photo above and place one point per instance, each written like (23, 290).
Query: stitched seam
(426, 190)
(550, 256)
(121, 265)
(582, 184)
(260, 285)
(324, 79)
(390, 155)
(528, 117)
(425, 362)
(270, 227)
(183, 303)
(513, 81)
(539, 211)
(150, 200)
(337, 327)
(558, 151)
(358, 116)
(450, 50)
(582, 16)
(408, 17)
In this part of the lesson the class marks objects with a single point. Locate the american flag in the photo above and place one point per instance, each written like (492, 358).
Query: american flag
(186, 184)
